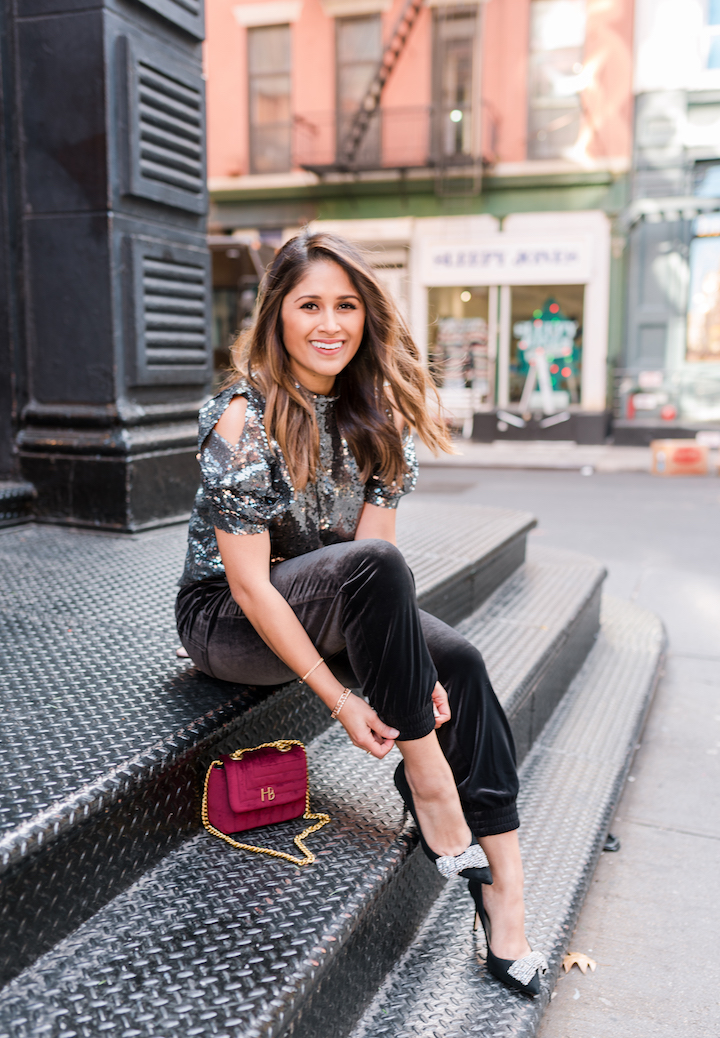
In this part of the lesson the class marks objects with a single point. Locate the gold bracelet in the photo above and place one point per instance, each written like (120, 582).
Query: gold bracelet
(313, 668)
(340, 703)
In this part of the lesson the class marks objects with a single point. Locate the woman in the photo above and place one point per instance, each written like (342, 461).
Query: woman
(292, 567)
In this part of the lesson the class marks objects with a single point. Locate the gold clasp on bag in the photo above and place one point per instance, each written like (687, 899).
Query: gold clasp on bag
(283, 745)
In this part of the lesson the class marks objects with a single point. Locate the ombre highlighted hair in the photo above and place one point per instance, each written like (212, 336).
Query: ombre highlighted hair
(386, 373)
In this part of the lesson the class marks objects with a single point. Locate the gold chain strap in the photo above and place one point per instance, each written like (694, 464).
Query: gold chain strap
(283, 745)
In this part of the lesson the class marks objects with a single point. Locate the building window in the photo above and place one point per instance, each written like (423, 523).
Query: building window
(359, 52)
(713, 31)
(556, 79)
(546, 346)
(453, 65)
(270, 116)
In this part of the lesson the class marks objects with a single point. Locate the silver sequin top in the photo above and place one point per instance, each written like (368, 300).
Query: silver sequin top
(246, 488)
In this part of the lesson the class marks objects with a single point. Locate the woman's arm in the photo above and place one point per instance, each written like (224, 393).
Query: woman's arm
(376, 522)
(247, 566)
(246, 558)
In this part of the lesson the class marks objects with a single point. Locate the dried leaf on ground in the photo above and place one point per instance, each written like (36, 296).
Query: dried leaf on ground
(578, 959)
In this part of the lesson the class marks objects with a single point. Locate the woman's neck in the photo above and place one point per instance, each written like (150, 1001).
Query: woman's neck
(319, 387)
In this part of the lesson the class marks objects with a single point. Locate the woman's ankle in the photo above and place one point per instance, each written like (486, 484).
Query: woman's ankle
(443, 823)
(435, 797)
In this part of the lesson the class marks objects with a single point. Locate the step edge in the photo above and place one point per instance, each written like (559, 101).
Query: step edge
(475, 566)
(531, 1018)
(17, 844)
(516, 699)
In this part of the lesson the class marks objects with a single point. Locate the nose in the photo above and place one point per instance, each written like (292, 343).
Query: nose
(329, 321)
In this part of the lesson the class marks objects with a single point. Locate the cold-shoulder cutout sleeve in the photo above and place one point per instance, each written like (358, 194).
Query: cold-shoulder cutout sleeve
(387, 495)
(245, 485)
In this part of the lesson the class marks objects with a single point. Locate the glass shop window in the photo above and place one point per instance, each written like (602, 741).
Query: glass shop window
(359, 51)
(713, 34)
(453, 70)
(269, 92)
(458, 341)
(703, 332)
(556, 76)
(546, 346)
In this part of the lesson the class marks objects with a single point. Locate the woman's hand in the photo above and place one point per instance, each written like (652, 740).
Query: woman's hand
(441, 705)
(365, 728)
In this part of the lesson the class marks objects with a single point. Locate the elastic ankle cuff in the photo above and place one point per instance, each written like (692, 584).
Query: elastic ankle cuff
(492, 821)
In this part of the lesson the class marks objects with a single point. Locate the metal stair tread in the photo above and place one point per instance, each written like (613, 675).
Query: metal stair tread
(469, 533)
(517, 627)
(207, 906)
(440, 986)
(359, 795)
(89, 663)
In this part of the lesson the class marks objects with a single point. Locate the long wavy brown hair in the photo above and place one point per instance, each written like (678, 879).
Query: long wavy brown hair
(385, 373)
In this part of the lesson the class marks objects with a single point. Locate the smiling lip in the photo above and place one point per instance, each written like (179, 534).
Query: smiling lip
(327, 345)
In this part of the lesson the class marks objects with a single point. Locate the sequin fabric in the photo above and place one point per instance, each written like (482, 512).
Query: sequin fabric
(246, 487)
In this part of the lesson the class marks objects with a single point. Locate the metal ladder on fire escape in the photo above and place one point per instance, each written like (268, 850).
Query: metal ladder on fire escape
(371, 101)
(446, 182)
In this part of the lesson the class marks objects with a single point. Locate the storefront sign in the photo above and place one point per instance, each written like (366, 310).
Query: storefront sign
(505, 260)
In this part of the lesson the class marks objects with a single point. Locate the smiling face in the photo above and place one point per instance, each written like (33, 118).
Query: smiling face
(323, 319)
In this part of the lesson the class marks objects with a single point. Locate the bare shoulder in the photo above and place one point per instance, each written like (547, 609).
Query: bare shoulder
(232, 421)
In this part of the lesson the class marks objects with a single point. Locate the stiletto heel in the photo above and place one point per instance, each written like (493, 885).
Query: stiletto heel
(472, 863)
(519, 974)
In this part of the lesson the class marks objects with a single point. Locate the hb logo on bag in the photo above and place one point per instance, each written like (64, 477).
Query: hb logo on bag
(270, 792)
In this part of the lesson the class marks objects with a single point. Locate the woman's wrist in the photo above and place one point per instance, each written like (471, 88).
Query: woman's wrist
(325, 685)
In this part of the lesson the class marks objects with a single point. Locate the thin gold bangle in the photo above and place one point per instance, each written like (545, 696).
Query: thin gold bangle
(312, 669)
(340, 703)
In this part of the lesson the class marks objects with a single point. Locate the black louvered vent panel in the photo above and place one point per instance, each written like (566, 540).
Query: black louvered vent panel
(193, 6)
(170, 130)
(174, 303)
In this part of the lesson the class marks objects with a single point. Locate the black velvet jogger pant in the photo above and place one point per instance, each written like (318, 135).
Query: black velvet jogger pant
(357, 602)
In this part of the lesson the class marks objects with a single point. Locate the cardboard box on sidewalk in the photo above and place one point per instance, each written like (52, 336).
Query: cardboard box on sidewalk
(679, 458)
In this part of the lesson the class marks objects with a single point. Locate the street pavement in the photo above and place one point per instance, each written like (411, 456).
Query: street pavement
(651, 920)
(540, 454)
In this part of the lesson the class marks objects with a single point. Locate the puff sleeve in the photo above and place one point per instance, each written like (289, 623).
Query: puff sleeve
(244, 486)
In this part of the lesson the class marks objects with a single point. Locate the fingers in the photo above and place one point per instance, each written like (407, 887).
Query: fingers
(382, 739)
(380, 749)
(365, 728)
(383, 731)
(441, 705)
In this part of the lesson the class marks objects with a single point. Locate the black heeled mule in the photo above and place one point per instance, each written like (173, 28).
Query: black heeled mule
(472, 863)
(519, 974)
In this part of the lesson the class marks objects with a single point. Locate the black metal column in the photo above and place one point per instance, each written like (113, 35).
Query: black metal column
(110, 110)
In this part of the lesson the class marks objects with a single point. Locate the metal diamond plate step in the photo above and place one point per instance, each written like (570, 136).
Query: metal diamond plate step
(534, 633)
(332, 931)
(460, 554)
(104, 729)
(570, 784)
(216, 942)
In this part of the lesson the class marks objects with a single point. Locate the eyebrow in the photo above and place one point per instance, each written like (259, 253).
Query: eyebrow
(316, 295)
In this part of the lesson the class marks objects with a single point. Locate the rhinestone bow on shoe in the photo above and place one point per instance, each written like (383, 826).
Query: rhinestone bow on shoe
(472, 858)
(523, 970)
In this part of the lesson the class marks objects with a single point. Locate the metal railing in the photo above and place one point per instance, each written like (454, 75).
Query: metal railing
(396, 138)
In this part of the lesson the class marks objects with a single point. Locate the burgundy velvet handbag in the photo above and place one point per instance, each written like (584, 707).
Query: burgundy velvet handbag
(258, 786)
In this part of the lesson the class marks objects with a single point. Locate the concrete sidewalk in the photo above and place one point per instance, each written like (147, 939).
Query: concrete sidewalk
(537, 454)
(652, 917)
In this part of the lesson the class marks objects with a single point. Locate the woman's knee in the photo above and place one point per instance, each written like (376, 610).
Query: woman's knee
(463, 668)
(382, 564)
(453, 655)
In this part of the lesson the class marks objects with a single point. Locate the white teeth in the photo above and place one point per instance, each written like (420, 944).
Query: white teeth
(326, 345)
